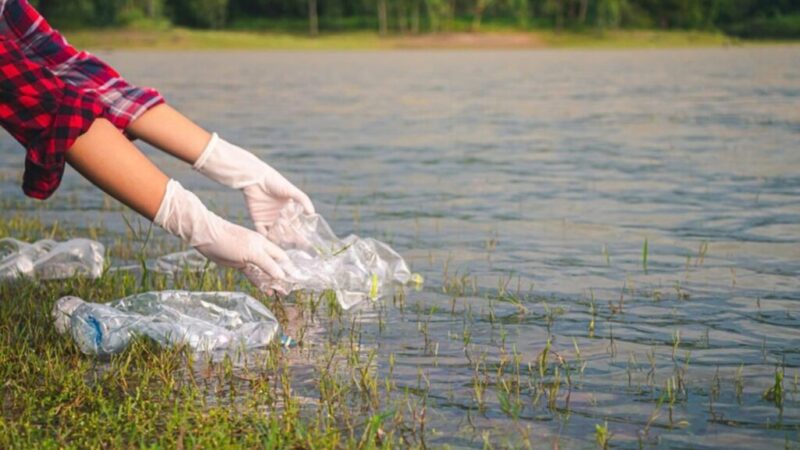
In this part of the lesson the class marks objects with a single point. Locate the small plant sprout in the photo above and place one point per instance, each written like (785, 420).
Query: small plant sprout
(592, 315)
(738, 383)
(602, 436)
(701, 253)
(775, 393)
(508, 397)
(651, 374)
(581, 362)
(676, 342)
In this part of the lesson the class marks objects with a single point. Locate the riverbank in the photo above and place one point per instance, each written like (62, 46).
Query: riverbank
(149, 396)
(186, 39)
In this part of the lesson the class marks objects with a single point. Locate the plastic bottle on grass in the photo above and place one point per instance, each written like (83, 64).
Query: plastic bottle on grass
(205, 321)
(50, 260)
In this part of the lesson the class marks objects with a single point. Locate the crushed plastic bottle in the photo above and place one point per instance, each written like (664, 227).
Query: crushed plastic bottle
(205, 321)
(50, 260)
(354, 268)
(189, 260)
(171, 264)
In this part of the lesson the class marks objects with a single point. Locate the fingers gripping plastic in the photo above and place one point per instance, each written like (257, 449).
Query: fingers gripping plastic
(184, 215)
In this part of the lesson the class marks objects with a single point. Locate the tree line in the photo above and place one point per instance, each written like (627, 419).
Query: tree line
(747, 18)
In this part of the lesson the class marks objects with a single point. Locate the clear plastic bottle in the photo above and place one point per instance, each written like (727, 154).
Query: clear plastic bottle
(205, 321)
(50, 260)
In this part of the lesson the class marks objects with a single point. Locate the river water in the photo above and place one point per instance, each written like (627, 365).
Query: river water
(524, 185)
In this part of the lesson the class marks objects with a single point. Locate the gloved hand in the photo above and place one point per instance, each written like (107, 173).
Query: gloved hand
(266, 191)
(182, 214)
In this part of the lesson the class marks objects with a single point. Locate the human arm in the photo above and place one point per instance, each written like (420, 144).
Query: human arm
(76, 116)
(165, 128)
(107, 159)
(104, 157)
(266, 191)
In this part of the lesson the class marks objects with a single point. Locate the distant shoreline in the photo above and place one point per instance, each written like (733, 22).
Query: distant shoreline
(189, 39)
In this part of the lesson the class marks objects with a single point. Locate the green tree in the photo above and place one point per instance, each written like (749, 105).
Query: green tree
(556, 8)
(200, 13)
(609, 13)
(583, 11)
(67, 13)
(438, 11)
(415, 7)
(521, 11)
(313, 18)
(478, 9)
(383, 17)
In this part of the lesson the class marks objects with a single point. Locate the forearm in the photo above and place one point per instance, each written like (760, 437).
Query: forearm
(106, 158)
(266, 191)
(167, 129)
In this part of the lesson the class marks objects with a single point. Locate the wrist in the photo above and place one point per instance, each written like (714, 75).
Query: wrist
(183, 215)
(228, 164)
(206, 152)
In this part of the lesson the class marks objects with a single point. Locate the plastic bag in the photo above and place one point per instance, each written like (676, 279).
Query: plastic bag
(50, 260)
(205, 321)
(354, 268)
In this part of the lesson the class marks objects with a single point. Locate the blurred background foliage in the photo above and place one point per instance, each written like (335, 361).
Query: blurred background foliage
(744, 18)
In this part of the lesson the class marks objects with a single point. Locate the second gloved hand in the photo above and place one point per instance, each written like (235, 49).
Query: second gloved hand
(265, 190)
(183, 214)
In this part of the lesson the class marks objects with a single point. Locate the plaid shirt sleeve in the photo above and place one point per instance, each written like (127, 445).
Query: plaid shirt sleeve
(51, 93)
(44, 114)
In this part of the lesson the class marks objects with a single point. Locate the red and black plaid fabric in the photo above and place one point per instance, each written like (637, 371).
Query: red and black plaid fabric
(51, 93)
(44, 114)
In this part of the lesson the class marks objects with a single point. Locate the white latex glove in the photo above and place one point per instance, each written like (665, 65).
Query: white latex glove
(182, 214)
(265, 190)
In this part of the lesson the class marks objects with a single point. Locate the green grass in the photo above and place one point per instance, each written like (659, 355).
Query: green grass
(490, 37)
(187, 39)
(55, 397)
(638, 39)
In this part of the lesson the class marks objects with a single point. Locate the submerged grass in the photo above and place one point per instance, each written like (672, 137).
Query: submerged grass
(342, 387)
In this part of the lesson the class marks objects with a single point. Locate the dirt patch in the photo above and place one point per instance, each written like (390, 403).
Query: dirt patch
(468, 40)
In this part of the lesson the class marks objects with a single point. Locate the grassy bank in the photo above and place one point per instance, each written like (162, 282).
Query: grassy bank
(55, 397)
(178, 39)
(343, 387)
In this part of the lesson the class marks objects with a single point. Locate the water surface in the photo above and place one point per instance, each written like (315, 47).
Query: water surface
(536, 177)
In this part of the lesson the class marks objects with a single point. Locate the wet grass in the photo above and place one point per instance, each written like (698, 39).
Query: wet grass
(351, 383)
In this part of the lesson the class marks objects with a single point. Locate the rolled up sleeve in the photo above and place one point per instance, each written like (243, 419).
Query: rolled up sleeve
(44, 114)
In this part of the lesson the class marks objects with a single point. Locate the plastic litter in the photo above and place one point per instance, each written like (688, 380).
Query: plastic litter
(171, 264)
(205, 321)
(354, 268)
(189, 260)
(49, 260)
(287, 341)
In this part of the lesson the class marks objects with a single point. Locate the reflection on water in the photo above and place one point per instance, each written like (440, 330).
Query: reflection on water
(536, 177)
